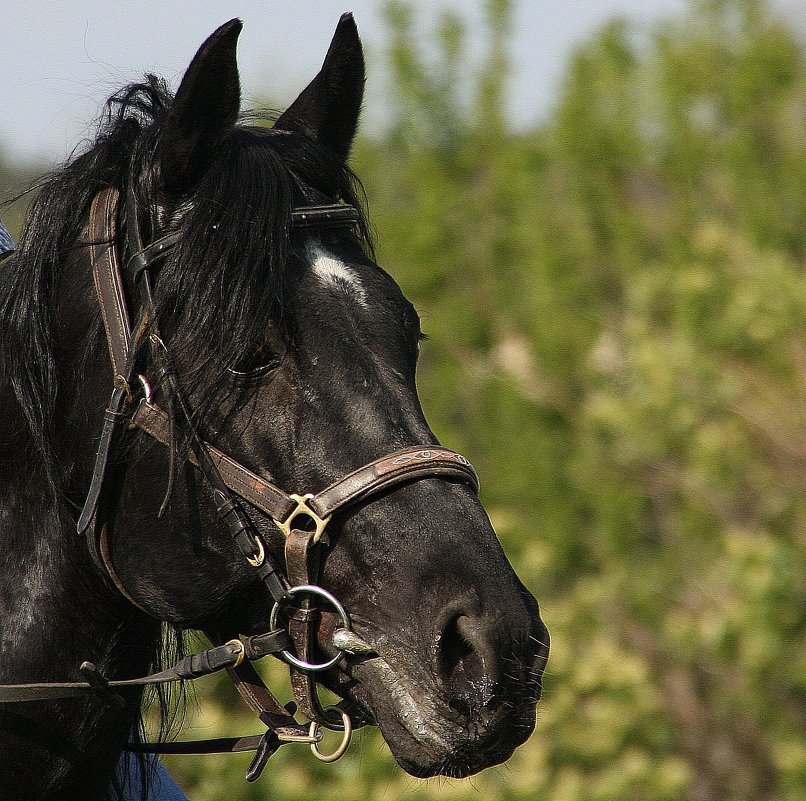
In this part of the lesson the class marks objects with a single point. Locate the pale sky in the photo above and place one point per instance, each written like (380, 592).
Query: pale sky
(59, 60)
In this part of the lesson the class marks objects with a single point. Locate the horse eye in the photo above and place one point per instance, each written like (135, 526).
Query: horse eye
(260, 360)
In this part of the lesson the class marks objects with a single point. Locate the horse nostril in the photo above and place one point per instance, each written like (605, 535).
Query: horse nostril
(466, 660)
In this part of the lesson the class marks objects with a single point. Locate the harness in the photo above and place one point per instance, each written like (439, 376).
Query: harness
(295, 618)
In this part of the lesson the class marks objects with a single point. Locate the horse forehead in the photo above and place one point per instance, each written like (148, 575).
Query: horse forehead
(332, 272)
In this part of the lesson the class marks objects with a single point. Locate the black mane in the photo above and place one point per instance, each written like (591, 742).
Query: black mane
(237, 224)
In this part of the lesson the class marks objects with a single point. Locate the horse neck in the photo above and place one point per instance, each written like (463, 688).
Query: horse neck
(45, 560)
(57, 610)
(60, 605)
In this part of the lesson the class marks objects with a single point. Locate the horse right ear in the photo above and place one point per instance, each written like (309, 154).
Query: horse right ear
(203, 112)
(328, 108)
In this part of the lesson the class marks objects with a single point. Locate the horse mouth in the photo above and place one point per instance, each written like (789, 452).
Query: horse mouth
(429, 732)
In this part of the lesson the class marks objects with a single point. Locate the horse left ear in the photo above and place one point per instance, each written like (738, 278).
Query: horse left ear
(328, 108)
(204, 110)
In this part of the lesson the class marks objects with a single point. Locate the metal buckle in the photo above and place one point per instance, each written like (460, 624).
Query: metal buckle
(240, 651)
(313, 667)
(311, 738)
(302, 508)
(259, 556)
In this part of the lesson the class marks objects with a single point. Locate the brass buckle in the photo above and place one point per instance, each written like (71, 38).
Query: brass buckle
(240, 651)
(302, 508)
(259, 556)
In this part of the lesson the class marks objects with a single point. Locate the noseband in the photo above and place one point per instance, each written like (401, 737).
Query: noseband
(302, 518)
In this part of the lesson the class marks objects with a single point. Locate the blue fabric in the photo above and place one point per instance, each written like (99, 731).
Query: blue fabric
(6, 242)
(163, 787)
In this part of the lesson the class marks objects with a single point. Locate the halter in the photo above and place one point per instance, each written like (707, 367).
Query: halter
(301, 517)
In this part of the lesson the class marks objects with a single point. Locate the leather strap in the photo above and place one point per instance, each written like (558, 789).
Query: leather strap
(302, 558)
(108, 280)
(107, 276)
(399, 467)
(144, 258)
(260, 493)
(263, 744)
(194, 666)
(402, 466)
(218, 745)
(278, 719)
(326, 216)
(114, 414)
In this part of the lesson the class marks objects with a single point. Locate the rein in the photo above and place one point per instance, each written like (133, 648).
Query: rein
(302, 518)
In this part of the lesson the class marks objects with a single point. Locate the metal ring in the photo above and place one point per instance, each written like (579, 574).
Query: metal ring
(313, 589)
(345, 740)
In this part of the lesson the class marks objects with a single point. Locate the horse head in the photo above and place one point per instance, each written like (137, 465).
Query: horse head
(268, 331)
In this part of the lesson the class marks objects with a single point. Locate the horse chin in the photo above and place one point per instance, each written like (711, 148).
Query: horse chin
(426, 732)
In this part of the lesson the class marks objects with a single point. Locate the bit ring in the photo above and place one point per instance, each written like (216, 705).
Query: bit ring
(345, 740)
(313, 589)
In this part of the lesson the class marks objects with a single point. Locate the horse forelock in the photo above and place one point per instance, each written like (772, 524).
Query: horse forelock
(229, 273)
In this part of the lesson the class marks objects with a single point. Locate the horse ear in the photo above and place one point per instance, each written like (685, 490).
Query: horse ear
(328, 108)
(203, 112)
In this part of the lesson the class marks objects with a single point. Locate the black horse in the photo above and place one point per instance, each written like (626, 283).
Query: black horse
(260, 323)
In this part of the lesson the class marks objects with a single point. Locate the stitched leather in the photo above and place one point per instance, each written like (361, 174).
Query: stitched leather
(302, 563)
(107, 276)
(398, 467)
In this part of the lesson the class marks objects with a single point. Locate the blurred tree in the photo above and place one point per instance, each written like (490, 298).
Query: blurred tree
(14, 182)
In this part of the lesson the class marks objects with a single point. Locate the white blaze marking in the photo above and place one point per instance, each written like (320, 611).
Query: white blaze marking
(337, 274)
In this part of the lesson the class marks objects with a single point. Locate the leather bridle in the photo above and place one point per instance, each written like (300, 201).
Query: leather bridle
(302, 518)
